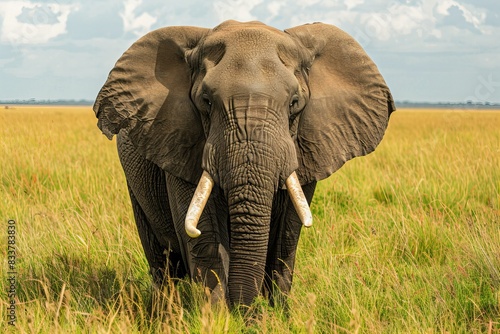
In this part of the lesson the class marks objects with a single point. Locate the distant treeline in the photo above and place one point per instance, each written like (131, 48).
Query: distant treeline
(448, 105)
(47, 102)
(399, 104)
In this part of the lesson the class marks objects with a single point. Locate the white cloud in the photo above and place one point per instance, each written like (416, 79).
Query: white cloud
(239, 10)
(39, 28)
(350, 4)
(407, 24)
(402, 19)
(139, 25)
(309, 3)
(274, 8)
(471, 15)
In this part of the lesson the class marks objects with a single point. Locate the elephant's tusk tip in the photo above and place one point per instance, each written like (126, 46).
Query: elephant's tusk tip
(194, 234)
(192, 231)
(308, 221)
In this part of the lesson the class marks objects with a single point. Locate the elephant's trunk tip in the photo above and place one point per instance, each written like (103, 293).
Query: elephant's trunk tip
(299, 200)
(200, 198)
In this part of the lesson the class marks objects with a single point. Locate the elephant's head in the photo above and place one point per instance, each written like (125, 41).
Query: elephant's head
(247, 105)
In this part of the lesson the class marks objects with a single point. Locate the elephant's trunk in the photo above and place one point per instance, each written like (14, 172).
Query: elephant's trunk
(250, 205)
(257, 156)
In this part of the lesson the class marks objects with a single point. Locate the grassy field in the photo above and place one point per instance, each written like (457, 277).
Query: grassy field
(406, 240)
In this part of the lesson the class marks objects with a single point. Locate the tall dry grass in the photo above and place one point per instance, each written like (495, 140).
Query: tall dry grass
(404, 240)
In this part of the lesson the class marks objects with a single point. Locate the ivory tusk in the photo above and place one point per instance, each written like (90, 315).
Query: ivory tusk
(198, 203)
(299, 200)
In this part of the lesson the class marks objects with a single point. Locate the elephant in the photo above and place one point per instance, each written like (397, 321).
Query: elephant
(223, 134)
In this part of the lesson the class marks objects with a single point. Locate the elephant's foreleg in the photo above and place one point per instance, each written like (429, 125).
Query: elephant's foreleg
(152, 248)
(207, 256)
(148, 194)
(283, 241)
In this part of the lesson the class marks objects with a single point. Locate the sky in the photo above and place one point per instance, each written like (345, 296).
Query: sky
(427, 50)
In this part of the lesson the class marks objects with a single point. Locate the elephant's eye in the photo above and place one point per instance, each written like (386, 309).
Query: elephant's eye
(294, 102)
(206, 98)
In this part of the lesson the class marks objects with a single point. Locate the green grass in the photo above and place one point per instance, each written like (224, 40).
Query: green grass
(406, 240)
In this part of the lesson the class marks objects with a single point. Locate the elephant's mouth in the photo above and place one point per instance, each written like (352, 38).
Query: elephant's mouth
(204, 189)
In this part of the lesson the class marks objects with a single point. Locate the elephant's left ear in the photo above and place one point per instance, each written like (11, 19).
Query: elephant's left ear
(148, 93)
(349, 105)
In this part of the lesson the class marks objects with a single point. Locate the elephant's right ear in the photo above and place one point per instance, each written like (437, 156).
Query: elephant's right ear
(148, 93)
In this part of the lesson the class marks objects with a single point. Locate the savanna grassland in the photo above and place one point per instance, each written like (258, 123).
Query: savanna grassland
(405, 240)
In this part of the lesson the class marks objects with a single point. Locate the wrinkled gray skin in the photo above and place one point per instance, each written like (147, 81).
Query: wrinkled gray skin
(249, 104)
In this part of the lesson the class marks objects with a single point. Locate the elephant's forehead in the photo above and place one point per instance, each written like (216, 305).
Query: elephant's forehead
(232, 25)
(249, 35)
